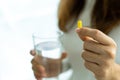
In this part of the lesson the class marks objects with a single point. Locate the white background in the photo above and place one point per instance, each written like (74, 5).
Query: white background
(18, 20)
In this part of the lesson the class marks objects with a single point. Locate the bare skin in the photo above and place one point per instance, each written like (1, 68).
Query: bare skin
(39, 68)
(99, 54)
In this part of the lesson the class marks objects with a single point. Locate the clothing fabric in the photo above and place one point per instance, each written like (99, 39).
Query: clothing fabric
(74, 46)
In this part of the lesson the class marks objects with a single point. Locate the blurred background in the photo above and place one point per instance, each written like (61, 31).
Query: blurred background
(18, 20)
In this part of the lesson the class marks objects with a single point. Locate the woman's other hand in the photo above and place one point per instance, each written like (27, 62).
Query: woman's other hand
(39, 69)
(99, 54)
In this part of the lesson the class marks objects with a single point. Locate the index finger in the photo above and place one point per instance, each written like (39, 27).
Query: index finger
(95, 34)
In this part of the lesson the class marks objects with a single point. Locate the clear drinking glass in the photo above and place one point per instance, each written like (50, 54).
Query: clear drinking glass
(47, 46)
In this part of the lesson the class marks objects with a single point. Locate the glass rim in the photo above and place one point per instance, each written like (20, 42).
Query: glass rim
(46, 35)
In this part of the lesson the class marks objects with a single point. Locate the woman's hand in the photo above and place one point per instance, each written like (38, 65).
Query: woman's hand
(39, 69)
(99, 54)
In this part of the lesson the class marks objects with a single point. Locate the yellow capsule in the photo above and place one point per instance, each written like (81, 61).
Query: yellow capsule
(79, 24)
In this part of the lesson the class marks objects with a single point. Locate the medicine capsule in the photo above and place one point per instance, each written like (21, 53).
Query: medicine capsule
(79, 24)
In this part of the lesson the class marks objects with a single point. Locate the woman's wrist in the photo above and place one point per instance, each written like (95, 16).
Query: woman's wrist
(116, 73)
(113, 73)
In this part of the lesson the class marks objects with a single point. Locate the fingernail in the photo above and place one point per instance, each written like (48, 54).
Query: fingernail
(78, 30)
(32, 52)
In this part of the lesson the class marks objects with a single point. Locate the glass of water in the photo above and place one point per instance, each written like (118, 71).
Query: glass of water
(48, 47)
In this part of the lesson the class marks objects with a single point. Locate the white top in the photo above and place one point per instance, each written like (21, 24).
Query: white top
(73, 45)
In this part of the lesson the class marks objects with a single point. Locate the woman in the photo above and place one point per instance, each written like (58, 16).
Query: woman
(98, 49)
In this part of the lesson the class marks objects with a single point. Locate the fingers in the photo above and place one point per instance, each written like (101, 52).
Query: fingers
(92, 57)
(95, 47)
(37, 67)
(99, 51)
(91, 66)
(97, 42)
(39, 71)
(95, 34)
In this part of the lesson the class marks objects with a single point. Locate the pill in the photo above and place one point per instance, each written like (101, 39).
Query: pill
(79, 24)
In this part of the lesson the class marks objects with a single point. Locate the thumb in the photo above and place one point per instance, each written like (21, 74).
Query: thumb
(32, 52)
(64, 55)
